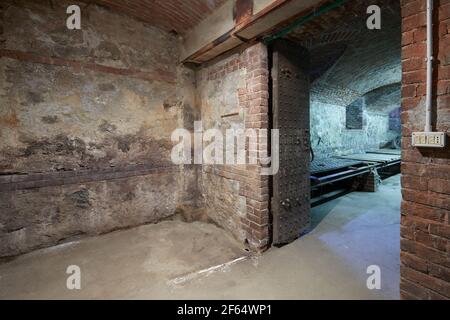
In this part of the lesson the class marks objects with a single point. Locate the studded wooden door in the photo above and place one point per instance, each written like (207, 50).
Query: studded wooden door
(290, 107)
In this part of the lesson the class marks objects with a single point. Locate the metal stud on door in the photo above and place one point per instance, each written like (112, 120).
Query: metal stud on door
(290, 108)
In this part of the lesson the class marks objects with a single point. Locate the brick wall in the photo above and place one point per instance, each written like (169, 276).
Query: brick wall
(233, 92)
(425, 230)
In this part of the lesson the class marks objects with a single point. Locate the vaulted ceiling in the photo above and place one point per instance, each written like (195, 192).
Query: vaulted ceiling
(384, 99)
(349, 61)
(328, 35)
(170, 15)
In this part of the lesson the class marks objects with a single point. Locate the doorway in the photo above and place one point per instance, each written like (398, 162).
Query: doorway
(336, 102)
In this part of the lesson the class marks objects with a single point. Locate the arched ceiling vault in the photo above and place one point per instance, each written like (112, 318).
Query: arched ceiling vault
(349, 61)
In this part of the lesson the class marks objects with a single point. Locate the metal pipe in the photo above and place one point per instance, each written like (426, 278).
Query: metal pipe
(429, 93)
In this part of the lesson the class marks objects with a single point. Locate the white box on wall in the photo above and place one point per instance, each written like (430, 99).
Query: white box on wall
(429, 139)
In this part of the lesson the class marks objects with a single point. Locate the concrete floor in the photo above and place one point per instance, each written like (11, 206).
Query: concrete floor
(172, 259)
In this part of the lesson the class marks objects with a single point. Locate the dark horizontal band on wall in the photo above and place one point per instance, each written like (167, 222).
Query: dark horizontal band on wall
(15, 182)
(158, 75)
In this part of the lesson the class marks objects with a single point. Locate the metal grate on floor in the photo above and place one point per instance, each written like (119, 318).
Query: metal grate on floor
(330, 164)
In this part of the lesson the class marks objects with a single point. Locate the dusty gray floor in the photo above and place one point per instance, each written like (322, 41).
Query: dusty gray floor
(164, 260)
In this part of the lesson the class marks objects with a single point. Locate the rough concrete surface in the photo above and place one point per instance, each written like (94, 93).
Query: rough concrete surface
(135, 263)
(163, 260)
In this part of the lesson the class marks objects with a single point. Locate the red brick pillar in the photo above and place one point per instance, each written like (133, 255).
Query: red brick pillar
(425, 229)
(255, 100)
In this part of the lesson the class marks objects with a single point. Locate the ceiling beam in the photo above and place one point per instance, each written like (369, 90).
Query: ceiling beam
(221, 31)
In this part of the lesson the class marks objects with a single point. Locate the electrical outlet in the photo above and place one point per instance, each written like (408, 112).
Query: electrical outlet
(429, 139)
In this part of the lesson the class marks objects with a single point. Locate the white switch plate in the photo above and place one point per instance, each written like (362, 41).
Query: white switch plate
(429, 139)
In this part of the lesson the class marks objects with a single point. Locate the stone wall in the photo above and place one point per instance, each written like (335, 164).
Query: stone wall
(233, 94)
(425, 230)
(329, 135)
(85, 123)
